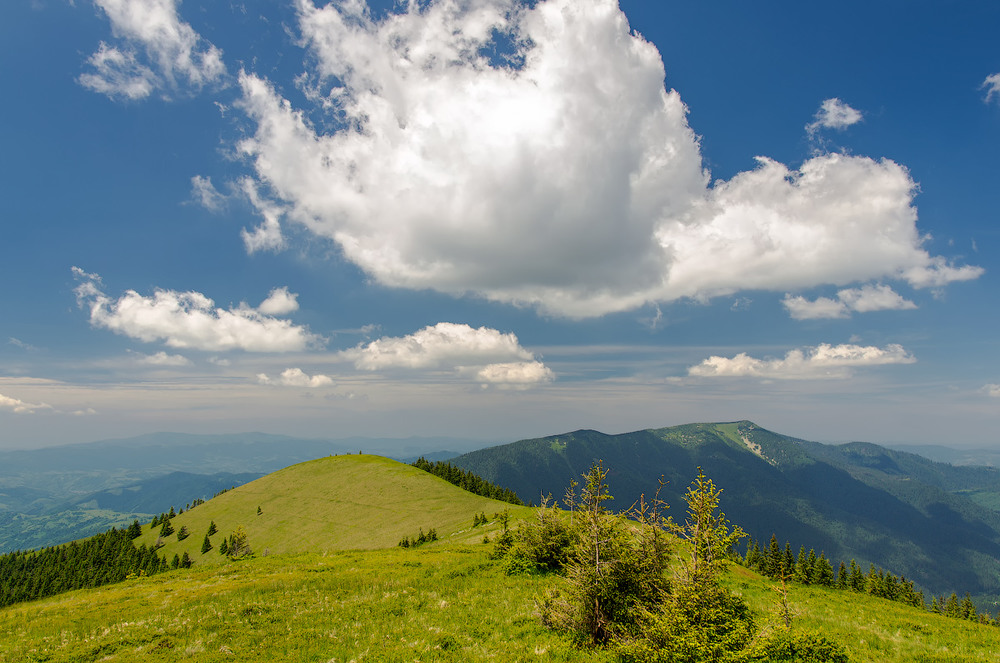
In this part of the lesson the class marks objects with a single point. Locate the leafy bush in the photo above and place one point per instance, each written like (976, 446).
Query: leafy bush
(785, 646)
(544, 544)
(709, 625)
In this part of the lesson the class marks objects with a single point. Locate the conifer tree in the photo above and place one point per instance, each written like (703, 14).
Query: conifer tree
(811, 567)
(968, 608)
(212, 529)
(134, 530)
(857, 577)
(774, 558)
(788, 561)
(801, 575)
(823, 572)
(206, 545)
(224, 547)
(952, 608)
(239, 545)
(842, 581)
(186, 561)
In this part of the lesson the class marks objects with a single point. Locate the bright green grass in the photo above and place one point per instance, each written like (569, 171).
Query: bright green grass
(441, 602)
(873, 629)
(444, 601)
(348, 502)
(437, 603)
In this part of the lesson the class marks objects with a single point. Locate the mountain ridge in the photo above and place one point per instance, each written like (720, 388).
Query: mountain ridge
(879, 506)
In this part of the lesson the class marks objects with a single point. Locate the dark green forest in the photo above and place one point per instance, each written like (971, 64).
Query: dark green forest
(467, 480)
(100, 560)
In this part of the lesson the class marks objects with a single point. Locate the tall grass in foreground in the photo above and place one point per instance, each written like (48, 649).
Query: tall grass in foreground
(441, 602)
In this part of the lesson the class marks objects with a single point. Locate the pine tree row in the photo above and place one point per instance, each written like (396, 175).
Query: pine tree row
(420, 539)
(808, 569)
(100, 560)
(467, 481)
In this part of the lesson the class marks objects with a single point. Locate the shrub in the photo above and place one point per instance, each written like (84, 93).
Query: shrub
(612, 573)
(785, 646)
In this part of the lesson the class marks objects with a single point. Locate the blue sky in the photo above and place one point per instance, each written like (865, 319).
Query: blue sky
(492, 219)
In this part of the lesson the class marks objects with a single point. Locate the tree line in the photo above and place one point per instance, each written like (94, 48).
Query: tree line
(100, 560)
(780, 563)
(467, 481)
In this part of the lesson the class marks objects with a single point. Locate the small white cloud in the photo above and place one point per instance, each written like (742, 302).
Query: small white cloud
(833, 114)
(267, 236)
(822, 361)
(189, 320)
(992, 85)
(279, 302)
(801, 308)
(444, 345)
(20, 407)
(157, 51)
(489, 355)
(370, 330)
(16, 342)
(992, 390)
(162, 359)
(874, 298)
(741, 304)
(862, 300)
(117, 74)
(515, 374)
(205, 194)
(296, 377)
(84, 413)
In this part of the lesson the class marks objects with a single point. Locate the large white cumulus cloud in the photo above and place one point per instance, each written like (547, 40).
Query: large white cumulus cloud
(564, 176)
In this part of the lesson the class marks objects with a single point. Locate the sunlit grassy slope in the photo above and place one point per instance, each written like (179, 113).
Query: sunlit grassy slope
(347, 502)
(441, 602)
(354, 596)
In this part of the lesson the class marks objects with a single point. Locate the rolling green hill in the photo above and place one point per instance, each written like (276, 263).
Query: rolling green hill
(896, 510)
(346, 502)
(335, 587)
(442, 602)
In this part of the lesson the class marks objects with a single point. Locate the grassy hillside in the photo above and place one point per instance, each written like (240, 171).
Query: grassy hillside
(346, 502)
(891, 509)
(441, 602)
(335, 587)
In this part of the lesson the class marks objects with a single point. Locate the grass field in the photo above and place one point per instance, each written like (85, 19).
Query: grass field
(335, 588)
(347, 502)
(441, 602)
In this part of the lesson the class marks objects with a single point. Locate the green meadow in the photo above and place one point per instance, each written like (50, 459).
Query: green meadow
(347, 502)
(334, 587)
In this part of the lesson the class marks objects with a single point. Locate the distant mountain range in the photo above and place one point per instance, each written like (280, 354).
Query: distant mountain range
(935, 523)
